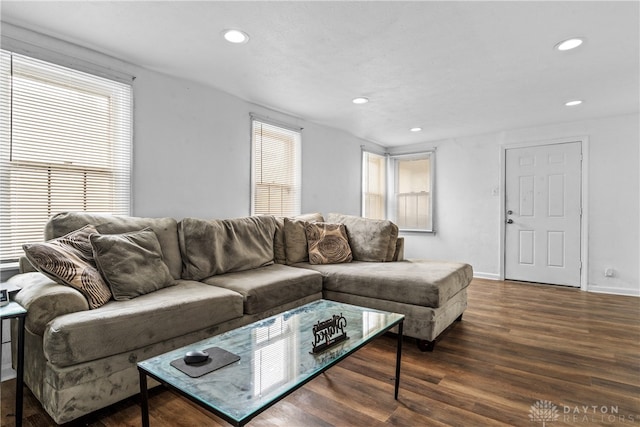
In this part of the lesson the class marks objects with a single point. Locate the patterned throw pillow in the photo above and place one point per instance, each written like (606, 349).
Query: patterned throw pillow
(328, 243)
(69, 261)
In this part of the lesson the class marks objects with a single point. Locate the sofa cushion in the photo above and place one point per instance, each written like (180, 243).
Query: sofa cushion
(370, 239)
(211, 247)
(68, 261)
(166, 230)
(418, 282)
(121, 326)
(268, 287)
(131, 263)
(328, 243)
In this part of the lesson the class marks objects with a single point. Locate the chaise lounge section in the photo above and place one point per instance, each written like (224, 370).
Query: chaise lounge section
(220, 275)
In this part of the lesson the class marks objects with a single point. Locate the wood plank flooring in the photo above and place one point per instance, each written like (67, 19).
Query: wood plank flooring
(518, 345)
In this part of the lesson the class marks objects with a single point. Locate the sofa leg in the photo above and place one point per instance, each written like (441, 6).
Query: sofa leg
(459, 318)
(424, 345)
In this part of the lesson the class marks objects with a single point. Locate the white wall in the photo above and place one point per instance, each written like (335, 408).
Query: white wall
(192, 154)
(468, 205)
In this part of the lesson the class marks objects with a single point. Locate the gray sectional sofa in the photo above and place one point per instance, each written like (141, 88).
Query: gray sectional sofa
(222, 274)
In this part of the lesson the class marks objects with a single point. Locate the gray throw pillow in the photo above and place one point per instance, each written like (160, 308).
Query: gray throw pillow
(328, 243)
(131, 263)
(295, 241)
(68, 260)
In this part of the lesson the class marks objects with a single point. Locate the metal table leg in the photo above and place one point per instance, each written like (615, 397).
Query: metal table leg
(398, 358)
(144, 403)
(20, 372)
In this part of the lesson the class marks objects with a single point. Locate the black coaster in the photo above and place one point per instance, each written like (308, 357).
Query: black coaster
(218, 358)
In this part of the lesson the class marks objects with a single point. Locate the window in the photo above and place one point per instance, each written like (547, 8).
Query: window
(275, 169)
(409, 179)
(412, 198)
(374, 183)
(65, 145)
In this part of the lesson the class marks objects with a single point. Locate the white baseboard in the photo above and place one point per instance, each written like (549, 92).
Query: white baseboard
(488, 276)
(8, 372)
(614, 291)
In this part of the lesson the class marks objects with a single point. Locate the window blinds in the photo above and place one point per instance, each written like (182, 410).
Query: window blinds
(275, 170)
(413, 196)
(65, 145)
(374, 185)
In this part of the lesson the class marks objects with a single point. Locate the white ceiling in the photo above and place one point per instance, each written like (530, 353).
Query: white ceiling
(453, 68)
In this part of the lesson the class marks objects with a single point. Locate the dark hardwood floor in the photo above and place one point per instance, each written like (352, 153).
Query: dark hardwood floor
(519, 349)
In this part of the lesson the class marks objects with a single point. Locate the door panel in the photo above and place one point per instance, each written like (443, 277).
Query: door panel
(542, 234)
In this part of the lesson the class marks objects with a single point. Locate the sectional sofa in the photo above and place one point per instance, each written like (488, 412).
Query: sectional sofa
(137, 287)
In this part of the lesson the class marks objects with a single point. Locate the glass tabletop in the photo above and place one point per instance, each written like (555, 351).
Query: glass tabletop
(275, 357)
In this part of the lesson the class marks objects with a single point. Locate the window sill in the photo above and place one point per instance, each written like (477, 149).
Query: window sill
(8, 270)
(416, 230)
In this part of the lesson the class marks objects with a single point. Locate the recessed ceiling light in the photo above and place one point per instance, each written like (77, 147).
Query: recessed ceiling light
(235, 36)
(573, 103)
(417, 129)
(360, 100)
(569, 44)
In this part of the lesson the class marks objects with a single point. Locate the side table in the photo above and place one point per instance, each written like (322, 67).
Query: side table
(13, 310)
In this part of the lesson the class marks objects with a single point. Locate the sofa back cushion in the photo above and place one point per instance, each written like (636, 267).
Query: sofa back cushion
(211, 247)
(166, 229)
(370, 239)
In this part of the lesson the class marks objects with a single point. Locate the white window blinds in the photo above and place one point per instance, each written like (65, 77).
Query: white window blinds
(65, 145)
(374, 185)
(276, 188)
(413, 192)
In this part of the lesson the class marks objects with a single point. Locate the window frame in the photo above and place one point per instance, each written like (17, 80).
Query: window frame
(394, 159)
(77, 190)
(296, 166)
(365, 179)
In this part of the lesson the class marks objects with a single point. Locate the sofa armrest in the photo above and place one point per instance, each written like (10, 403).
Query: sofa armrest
(399, 254)
(45, 300)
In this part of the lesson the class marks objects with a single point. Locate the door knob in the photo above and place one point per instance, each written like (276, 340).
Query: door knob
(509, 221)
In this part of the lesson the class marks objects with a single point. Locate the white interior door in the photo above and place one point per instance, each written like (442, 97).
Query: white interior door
(543, 213)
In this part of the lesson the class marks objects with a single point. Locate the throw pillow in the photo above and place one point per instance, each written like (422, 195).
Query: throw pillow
(295, 241)
(328, 243)
(279, 242)
(279, 250)
(68, 260)
(131, 263)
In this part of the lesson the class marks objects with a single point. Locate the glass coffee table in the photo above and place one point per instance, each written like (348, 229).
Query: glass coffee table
(275, 359)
